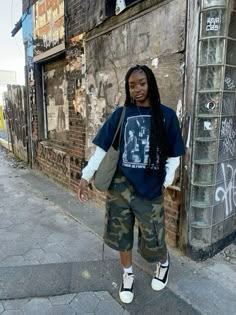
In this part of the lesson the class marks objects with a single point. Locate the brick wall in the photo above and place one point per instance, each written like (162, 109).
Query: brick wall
(77, 108)
(54, 162)
(74, 23)
(62, 161)
(75, 17)
(172, 204)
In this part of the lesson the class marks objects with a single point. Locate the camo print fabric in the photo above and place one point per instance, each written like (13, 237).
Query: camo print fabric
(122, 207)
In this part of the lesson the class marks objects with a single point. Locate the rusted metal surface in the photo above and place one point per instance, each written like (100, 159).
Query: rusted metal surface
(16, 117)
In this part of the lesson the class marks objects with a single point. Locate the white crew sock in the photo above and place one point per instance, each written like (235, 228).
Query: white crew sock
(128, 270)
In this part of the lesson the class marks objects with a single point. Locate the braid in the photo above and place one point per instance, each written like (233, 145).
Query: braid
(158, 150)
(128, 99)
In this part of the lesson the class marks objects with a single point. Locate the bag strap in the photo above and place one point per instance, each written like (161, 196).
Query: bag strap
(122, 116)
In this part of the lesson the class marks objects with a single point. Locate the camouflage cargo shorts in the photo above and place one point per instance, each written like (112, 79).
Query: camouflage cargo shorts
(123, 206)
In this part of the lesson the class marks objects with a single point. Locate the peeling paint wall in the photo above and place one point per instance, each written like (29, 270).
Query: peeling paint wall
(48, 25)
(95, 13)
(15, 101)
(143, 40)
(76, 64)
(75, 68)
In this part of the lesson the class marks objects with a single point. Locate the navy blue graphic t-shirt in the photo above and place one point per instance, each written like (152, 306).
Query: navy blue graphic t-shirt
(134, 146)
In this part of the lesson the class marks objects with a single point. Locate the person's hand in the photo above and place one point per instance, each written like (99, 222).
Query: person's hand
(83, 190)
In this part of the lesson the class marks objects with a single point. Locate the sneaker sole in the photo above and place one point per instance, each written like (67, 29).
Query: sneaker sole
(126, 299)
(158, 285)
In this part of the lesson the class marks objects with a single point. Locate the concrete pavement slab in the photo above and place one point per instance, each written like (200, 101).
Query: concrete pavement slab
(36, 231)
(196, 282)
(84, 303)
(52, 245)
(186, 276)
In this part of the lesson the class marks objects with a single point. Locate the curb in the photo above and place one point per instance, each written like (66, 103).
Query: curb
(6, 144)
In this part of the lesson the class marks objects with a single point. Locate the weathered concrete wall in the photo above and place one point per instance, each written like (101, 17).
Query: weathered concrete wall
(143, 40)
(98, 11)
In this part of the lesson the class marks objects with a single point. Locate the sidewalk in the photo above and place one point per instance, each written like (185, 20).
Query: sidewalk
(51, 259)
(4, 140)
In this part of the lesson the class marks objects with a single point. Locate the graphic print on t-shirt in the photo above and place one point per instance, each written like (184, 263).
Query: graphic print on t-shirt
(136, 136)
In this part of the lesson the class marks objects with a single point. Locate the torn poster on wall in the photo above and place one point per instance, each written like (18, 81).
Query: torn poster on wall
(56, 98)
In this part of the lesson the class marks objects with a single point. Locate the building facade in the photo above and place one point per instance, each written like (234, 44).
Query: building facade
(77, 54)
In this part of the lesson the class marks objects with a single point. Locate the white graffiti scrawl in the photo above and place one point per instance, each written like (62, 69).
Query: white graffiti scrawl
(228, 134)
(227, 193)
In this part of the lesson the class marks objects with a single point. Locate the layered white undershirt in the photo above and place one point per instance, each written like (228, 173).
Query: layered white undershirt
(172, 164)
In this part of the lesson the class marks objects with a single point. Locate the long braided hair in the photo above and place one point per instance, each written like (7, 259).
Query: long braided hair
(158, 148)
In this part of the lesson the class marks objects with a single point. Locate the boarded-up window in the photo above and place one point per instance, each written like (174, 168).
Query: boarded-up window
(56, 103)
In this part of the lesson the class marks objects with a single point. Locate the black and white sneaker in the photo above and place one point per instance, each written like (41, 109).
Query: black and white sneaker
(126, 292)
(161, 277)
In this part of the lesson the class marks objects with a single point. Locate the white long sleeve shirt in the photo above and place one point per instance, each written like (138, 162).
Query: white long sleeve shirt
(172, 164)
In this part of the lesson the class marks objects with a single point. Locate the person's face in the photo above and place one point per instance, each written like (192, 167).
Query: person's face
(138, 87)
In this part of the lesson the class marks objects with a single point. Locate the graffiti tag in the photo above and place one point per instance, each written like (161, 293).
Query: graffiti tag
(74, 52)
(229, 83)
(47, 43)
(213, 24)
(227, 193)
(228, 133)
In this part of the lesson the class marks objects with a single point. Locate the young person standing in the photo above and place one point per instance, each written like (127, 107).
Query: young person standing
(136, 191)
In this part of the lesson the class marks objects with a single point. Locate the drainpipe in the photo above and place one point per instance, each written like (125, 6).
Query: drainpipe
(29, 113)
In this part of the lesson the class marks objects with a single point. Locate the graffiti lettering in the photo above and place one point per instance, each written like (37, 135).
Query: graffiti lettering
(228, 133)
(47, 43)
(58, 160)
(228, 192)
(74, 53)
(230, 84)
(213, 24)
